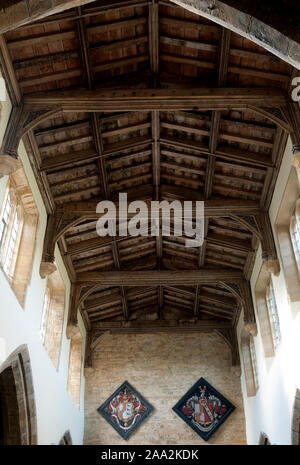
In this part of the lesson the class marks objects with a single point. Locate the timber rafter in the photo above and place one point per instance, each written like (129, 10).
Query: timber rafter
(136, 97)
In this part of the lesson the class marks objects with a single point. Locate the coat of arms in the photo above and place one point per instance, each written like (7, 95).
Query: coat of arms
(203, 408)
(125, 410)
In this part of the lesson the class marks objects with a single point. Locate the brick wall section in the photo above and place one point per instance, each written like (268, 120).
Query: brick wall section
(162, 367)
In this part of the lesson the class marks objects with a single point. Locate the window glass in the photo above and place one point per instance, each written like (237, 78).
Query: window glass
(274, 319)
(5, 219)
(11, 244)
(44, 316)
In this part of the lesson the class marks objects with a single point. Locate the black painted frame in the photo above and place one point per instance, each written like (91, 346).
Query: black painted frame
(212, 390)
(125, 434)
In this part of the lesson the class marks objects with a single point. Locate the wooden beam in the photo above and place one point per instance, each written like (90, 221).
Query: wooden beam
(216, 208)
(160, 278)
(208, 325)
(153, 28)
(156, 99)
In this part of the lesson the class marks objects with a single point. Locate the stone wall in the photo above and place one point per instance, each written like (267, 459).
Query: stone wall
(162, 367)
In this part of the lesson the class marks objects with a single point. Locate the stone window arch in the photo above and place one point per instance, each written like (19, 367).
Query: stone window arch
(11, 231)
(267, 313)
(18, 412)
(75, 367)
(18, 226)
(273, 315)
(296, 420)
(249, 363)
(287, 228)
(51, 327)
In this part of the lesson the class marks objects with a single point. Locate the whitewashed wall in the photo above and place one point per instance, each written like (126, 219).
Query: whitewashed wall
(56, 411)
(271, 410)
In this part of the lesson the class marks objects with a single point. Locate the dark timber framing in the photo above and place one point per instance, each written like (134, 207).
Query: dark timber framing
(145, 122)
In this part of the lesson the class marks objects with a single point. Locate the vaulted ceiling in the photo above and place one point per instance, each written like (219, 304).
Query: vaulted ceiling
(226, 154)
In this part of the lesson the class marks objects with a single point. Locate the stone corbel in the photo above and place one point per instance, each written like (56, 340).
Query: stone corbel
(251, 328)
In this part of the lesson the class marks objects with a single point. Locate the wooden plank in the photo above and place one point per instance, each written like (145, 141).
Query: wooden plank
(260, 74)
(126, 129)
(65, 143)
(120, 63)
(188, 24)
(108, 27)
(117, 45)
(188, 43)
(186, 128)
(188, 61)
(43, 39)
(229, 242)
(243, 156)
(61, 161)
(50, 78)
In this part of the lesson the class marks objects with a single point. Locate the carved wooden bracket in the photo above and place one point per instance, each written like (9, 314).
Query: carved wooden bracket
(57, 224)
(229, 336)
(72, 325)
(260, 226)
(11, 140)
(242, 292)
(20, 122)
(292, 115)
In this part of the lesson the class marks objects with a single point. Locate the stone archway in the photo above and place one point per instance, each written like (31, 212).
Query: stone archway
(18, 413)
(10, 432)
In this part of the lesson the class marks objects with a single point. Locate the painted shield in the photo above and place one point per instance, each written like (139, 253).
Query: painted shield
(125, 410)
(203, 408)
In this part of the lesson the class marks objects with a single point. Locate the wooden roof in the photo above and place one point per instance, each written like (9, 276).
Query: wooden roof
(155, 154)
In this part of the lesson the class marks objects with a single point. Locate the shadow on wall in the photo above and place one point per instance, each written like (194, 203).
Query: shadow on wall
(17, 402)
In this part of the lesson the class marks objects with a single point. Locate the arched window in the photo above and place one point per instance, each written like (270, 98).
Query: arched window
(254, 362)
(18, 409)
(53, 316)
(273, 315)
(249, 363)
(5, 218)
(10, 233)
(295, 233)
(267, 313)
(18, 225)
(288, 228)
